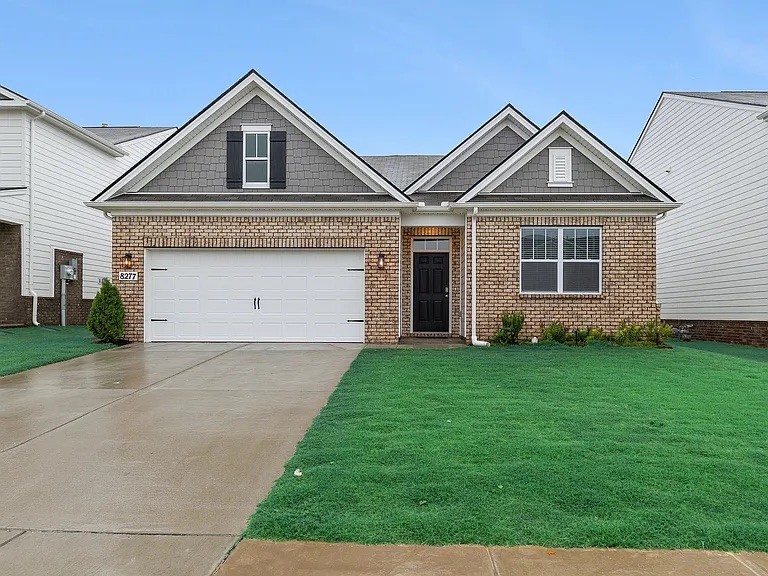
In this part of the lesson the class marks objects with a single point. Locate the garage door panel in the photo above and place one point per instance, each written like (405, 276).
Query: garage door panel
(208, 295)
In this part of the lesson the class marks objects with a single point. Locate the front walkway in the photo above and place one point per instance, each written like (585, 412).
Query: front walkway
(257, 557)
(149, 459)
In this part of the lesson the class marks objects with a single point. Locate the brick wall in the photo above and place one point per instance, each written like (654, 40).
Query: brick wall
(752, 332)
(49, 309)
(375, 234)
(457, 264)
(629, 275)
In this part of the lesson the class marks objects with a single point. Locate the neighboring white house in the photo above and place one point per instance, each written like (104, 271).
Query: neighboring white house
(48, 168)
(710, 151)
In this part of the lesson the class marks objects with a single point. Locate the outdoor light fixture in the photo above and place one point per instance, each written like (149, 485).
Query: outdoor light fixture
(381, 261)
(128, 260)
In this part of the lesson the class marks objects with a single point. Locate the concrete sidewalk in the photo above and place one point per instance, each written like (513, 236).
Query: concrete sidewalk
(252, 557)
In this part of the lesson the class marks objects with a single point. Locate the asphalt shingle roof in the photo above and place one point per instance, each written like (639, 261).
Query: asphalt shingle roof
(401, 170)
(120, 134)
(756, 98)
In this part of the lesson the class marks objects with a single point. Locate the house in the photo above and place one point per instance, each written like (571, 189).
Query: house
(254, 223)
(49, 166)
(710, 151)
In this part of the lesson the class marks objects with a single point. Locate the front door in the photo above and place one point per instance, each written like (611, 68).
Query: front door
(430, 291)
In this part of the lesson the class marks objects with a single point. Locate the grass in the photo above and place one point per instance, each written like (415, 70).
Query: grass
(544, 445)
(25, 348)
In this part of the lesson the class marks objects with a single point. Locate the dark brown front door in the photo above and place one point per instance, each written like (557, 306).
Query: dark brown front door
(430, 292)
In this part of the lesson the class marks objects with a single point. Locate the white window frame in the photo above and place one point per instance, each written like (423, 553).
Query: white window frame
(554, 151)
(249, 129)
(560, 260)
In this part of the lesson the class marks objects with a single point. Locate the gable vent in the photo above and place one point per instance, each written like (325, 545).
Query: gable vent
(560, 167)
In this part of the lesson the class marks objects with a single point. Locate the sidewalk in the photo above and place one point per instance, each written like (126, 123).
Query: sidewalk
(258, 557)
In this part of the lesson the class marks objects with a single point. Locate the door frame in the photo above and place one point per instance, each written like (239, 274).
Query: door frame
(450, 278)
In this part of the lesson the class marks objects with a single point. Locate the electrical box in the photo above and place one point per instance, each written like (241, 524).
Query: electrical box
(68, 271)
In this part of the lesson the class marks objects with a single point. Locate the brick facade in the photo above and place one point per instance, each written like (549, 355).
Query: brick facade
(375, 234)
(457, 268)
(16, 309)
(629, 275)
(752, 332)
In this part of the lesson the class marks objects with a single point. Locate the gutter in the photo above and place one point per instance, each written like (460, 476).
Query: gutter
(763, 115)
(475, 340)
(171, 207)
(569, 208)
(30, 226)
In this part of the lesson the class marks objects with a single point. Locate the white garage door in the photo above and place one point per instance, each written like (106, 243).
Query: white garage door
(254, 295)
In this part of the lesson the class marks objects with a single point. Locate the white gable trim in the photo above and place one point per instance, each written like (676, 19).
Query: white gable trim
(252, 84)
(507, 117)
(572, 132)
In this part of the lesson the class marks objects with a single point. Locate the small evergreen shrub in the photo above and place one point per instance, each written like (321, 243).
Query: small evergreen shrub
(657, 331)
(107, 315)
(628, 333)
(511, 325)
(555, 332)
(579, 336)
(595, 335)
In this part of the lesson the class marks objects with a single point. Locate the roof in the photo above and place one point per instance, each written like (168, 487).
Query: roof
(120, 134)
(14, 99)
(753, 97)
(400, 169)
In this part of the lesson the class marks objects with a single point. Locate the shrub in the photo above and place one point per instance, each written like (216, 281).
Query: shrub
(656, 331)
(107, 314)
(579, 336)
(555, 332)
(511, 324)
(628, 333)
(595, 335)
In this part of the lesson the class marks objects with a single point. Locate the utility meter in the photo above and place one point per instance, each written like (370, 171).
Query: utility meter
(69, 271)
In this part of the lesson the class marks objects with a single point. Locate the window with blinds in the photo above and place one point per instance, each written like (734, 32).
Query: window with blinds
(560, 260)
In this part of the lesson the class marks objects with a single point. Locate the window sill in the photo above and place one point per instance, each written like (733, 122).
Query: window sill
(560, 184)
(264, 186)
(566, 295)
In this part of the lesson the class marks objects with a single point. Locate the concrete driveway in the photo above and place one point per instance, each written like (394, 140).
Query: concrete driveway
(148, 459)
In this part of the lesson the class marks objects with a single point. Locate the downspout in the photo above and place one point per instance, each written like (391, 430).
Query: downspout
(475, 340)
(30, 240)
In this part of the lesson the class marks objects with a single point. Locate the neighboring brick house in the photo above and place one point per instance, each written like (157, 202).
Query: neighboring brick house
(48, 168)
(254, 223)
(710, 149)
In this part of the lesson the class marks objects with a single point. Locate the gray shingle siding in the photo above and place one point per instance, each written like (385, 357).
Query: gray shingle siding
(485, 159)
(587, 177)
(204, 167)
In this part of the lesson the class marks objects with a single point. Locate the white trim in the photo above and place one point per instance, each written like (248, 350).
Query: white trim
(146, 299)
(507, 117)
(563, 126)
(450, 283)
(250, 86)
(256, 131)
(256, 128)
(420, 218)
(568, 208)
(560, 261)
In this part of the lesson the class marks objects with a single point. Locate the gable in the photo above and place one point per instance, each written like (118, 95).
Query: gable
(588, 178)
(482, 161)
(203, 168)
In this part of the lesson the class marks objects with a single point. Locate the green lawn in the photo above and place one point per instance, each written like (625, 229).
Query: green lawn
(25, 348)
(545, 445)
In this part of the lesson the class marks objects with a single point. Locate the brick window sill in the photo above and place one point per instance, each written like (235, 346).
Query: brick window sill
(562, 296)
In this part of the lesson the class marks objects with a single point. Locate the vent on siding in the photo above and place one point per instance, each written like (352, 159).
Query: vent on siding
(560, 173)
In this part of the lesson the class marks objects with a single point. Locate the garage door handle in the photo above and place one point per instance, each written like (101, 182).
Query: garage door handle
(257, 303)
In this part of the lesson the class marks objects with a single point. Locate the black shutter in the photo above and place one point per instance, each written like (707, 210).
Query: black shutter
(234, 159)
(277, 159)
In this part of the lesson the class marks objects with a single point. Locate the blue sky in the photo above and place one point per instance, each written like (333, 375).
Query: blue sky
(385, 77)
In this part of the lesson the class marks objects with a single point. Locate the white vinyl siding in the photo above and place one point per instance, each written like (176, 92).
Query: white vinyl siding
(712, 252)
(11, 149)
(68, 171)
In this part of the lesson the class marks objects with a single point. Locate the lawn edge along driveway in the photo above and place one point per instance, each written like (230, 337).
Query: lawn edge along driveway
(25, 348)
(535, 445)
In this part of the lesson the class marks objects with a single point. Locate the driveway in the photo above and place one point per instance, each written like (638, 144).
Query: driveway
(148, 459)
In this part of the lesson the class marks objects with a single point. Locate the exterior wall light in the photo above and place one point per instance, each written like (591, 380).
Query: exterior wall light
(380, 262)
(128, 260)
